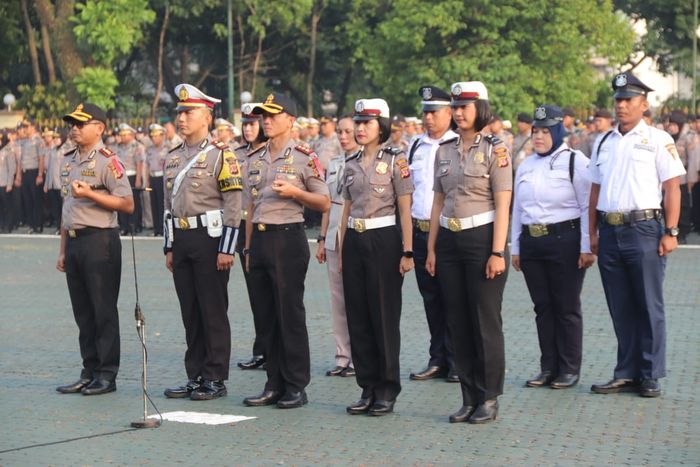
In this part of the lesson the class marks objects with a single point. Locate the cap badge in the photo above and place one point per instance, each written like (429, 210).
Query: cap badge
(456, 90)
(359, 107)
(540, 113)
(427, 94)
(247, 109)
(270, 99)
(79, 108)
(621, 80)
(183, 94)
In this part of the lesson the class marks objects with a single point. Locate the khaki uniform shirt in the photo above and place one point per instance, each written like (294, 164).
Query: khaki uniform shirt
(130, 154)
(242, 156)
(522, 148)
(469, 178)
(689, 152)
(212, 182)
(295, 164)
(8, 166)
(100, 168)
(31, 149)
(373, 184)
(155, 159)
(336, 171)
(54, 156)
(326, 148)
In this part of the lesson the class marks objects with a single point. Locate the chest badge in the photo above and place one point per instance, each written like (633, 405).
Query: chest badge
(479, 157)
(289, 159)
(202, 157)
(381, 168)
(379, 189)
(254, 192)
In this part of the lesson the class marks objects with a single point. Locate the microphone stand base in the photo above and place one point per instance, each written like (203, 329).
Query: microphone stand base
(147, 423)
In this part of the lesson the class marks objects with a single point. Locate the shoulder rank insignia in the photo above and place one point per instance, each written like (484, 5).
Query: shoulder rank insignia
(230, 175)
(392, 150)
(107, 152)
(220, 145)
(316, 166)
(404, 171)
(176, 147)
(304, 149)
(451, 140)
(492, 139)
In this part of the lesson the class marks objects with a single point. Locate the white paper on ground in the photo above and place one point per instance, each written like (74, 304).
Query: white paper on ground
(202, 418)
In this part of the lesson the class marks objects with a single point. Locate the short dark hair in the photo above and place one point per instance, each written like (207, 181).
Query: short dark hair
(260, 137)
(384, 129)
(483, 114)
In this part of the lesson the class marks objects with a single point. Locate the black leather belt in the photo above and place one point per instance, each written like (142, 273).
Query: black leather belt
(77, 233)
(541, 230)
(622, 218)
(274, 227)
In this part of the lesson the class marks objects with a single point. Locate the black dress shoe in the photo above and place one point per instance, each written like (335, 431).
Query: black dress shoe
(616, 385)
(337, 371)
(462, 415)
(99, 386)
(543, 379)
(484, 413)
(75, 387)
(452, 377)
(360, 407)
(432, 371)
(292, 400)
(650, 388)
(183, 391)
(348, 372)
(564, 381)
(382, 407)
(209, 389)
(255, 362)
(264, 398)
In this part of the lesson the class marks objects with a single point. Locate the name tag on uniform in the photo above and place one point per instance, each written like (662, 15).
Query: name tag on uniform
(645, 147)
(87, 173)
(444, 162)
(285, 169)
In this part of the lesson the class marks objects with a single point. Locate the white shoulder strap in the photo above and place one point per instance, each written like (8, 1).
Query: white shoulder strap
(183, 172)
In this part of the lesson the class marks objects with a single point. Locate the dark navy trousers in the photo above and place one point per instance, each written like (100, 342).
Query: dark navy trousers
(632, 273)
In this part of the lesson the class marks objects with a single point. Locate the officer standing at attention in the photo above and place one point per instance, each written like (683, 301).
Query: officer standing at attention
(375, 256)
(156, 154)
(327, 145)
(94, 188)
(202, 213)
(630, 166)
(328, 250)
(421, 159)
(32, 165)
(253, 139)
(282, 179)
(550, 243)
(467, 249)
(132, 154)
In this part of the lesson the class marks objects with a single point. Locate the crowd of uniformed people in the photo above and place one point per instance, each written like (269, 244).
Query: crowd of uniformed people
(441, 195)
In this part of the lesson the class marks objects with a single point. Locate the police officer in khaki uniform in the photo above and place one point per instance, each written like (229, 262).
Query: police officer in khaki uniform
(254, 138)
(132, 155)
(8, 168)
(467, 248)
(32, 165)
(282, 178)
(202, 215)
(156, 153)
(374, 258)
(94, 188)
(327, 145)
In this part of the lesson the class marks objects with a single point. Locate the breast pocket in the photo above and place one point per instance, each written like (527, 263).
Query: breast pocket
(380, 184)
(558, 178)
(476, 176)
(644, 168)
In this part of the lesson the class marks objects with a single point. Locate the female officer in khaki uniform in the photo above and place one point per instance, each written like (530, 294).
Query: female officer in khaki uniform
(467, 243)
(373, 259)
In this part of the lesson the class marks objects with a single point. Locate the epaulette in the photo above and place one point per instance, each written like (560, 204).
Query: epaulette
(451, 140)
(176, 147)
(492, 139)
(392, 150)
(353, 156)
(107, 152)
(248, 154)
(304, 149)
(220, 145)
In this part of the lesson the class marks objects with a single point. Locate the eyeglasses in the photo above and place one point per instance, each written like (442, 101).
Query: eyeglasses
(80, 125)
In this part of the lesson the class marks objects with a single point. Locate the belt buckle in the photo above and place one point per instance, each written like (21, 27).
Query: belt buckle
(359, 225)
(454, 224)
(615, 218)
(72, 233)
(184, 223)
(262, 227)
(423, 225)
(537, 230)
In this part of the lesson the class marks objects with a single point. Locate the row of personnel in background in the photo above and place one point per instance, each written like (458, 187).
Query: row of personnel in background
(452, 193)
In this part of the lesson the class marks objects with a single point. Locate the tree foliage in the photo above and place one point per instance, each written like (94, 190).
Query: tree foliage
(44, 102)
(97, 85)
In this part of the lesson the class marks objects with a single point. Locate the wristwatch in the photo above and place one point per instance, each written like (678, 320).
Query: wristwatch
(408, 254)
(245, 251)
(672, 231)
(497, 253)
(320, 238)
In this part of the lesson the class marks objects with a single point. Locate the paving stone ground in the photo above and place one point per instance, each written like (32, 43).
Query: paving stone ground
(38, 344)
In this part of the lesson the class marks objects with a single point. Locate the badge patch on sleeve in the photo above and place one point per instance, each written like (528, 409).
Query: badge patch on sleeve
(671, 148)
(117, 168)
(404, 171)
(230, 175)
(316, 166)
